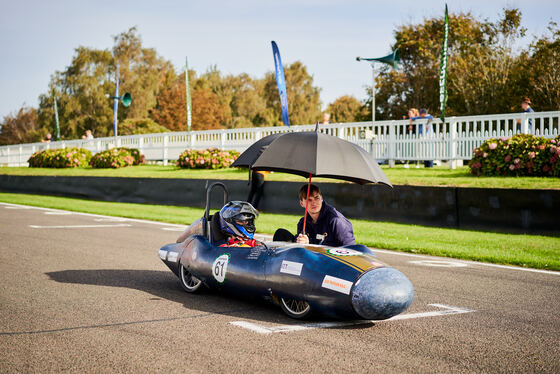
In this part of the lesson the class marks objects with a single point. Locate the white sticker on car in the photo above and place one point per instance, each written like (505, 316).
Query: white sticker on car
(172, 256)
(290, 267)
(219, 267)
(343, 252)
(337, 284)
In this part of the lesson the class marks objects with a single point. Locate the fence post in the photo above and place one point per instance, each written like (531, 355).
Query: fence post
(118, 142)
(392, 145)
(165, 141)
(141, 144)
(452, 143)
(223, 138)
(20, 154)
(341, 132)
(524, 124)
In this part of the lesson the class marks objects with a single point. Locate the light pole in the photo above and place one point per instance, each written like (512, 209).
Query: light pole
(391, 59)
(126, 100)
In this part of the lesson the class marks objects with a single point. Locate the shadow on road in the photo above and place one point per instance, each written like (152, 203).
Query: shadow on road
(164, 285)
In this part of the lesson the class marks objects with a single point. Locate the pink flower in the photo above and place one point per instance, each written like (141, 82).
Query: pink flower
(508, 158)
(476, 165)
(541, 147)
(553, 149)
(553, 141)
(516, 161)
(504, 139)
(511, 167)
(485, 155)
(492, 145)
(531, 154)
(478, 152)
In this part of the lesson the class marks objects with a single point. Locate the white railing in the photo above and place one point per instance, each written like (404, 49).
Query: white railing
(387, 140)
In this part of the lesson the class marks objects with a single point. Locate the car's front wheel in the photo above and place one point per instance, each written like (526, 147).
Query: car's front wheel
(297, 309)
(189, 282)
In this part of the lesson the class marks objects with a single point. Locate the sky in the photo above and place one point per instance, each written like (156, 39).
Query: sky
(38, 37)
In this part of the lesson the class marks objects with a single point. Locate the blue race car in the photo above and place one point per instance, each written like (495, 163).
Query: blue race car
(341, 282)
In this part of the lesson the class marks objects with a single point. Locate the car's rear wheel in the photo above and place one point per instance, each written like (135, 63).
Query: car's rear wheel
(189, 282)
(295, 308)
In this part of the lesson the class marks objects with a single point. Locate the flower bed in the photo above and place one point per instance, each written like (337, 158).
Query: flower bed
(60, 158)
(212, 158)
(520, 155)
(116, 158)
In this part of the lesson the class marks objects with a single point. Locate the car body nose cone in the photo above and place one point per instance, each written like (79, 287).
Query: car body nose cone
(382, 293)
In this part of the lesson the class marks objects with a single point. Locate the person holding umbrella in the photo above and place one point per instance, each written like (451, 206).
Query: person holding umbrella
(326, 225)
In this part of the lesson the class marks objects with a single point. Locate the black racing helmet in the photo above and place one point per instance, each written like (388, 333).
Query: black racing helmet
(238, 218)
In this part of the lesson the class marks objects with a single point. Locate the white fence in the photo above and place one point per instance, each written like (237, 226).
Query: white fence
(387, 140)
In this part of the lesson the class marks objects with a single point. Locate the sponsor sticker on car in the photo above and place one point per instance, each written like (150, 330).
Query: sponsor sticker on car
(219, 267)
(290, 267)
(337, 284)
(343, 252)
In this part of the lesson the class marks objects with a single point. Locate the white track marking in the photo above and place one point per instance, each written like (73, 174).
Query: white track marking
(438, 263)
(59, 213)
(448, 310)
(115, 219)
(79, 226)
(394, 253)
(173, 228)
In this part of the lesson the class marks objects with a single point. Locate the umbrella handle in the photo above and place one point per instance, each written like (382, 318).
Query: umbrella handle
(306, 205)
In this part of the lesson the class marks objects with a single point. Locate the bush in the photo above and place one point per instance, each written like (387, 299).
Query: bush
(60, 158)
(212, 158)
(133, 126)
(116, 158)
(520, 155)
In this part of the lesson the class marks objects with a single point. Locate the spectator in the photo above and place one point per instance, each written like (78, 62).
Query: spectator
(257, 187)
(526, 108)
(88, 135)
(48, 138)
(427, 128)
(326, 119)
(412, 113)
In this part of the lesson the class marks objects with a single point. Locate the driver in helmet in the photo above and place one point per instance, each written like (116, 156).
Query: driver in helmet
(237, 222)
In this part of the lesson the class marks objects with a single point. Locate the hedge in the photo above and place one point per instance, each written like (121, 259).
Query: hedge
(212, 158)
(520, 155)
(60, 158)
(116, 158)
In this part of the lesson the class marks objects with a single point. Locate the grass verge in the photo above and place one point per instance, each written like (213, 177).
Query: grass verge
(437, 176)
(541, 252)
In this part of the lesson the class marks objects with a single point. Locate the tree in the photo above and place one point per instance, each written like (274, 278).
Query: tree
(142, 73)
(80, 90)
(207, 111)
(542, 67)
(171, 110)
(304, 102)
(21, 127)
(480, 66)
(346, 109)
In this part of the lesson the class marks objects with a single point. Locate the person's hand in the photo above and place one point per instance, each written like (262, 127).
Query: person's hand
(302, 239)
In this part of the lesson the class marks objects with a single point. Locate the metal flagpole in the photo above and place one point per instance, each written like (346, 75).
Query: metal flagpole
(188, 95)
(116, 106)
(56, 116)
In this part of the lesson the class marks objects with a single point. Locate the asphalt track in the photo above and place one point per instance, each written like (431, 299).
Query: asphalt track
(86, 293)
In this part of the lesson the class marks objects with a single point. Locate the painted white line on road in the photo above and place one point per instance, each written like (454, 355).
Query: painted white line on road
(116, 219)
(472, 263)
(173, 228)
(78, 226)
(59, 213)
(394, 253)
(438, 263)
(447, 310)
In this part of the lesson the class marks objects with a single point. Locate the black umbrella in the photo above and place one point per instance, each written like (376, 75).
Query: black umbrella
(314, 154)
(250, 155)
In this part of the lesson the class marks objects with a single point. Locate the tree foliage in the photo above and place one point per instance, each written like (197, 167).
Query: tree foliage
(346, 109)
(21, 127)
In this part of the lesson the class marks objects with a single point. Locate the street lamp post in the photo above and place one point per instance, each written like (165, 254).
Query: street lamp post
(391, 59)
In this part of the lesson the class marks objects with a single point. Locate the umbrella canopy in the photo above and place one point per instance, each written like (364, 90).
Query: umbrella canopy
(250, 155)
(314, 154)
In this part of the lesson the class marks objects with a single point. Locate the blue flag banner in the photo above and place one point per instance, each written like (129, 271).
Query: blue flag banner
(443, 68)
(281, 83)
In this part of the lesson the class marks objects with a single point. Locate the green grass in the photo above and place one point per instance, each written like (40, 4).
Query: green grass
(438, 176)
(533, 251)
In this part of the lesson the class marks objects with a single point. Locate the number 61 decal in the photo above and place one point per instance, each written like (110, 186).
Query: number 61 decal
(219, 267)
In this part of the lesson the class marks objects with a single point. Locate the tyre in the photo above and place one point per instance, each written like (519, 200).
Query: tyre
(297, 309)
(189, 282)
